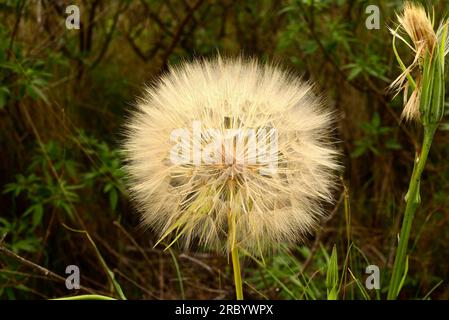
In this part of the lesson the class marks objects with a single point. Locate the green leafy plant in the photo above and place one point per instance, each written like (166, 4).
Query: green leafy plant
(375, 138)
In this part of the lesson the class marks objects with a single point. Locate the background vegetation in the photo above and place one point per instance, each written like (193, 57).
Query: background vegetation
(64, 95)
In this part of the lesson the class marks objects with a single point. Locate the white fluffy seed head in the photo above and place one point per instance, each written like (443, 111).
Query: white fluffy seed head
(222, 204)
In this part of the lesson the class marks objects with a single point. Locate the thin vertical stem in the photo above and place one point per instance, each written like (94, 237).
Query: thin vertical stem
(234, 248)
(237, 273)
(413, 200)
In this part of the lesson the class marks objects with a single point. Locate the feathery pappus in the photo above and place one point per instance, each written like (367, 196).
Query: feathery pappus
(228, 152)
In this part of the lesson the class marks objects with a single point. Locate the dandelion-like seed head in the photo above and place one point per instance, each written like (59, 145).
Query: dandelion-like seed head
(231, 152)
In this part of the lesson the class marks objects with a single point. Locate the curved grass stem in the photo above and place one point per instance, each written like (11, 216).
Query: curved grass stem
(86, 297)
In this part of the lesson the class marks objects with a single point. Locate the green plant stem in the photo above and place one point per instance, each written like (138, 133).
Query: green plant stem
(412, 200)
(178, 273)
(234, 248)
(237, 273)
(109, 273)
